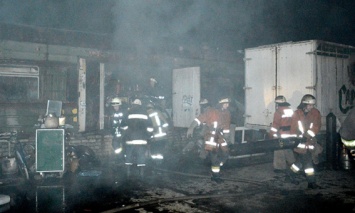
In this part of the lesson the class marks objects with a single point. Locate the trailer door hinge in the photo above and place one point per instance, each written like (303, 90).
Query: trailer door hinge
(246, 88)
(246, 59)
(311, 87)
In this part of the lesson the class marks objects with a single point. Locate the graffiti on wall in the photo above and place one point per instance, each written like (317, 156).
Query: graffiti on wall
(346, 99)
(187, 103)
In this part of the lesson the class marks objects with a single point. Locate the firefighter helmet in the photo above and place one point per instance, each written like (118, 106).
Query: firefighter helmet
(137, 102)
(150, 105)
(308, 99)
(153, 80)
(280, 99)
(203, 101)
(116, 102)
(224, 100)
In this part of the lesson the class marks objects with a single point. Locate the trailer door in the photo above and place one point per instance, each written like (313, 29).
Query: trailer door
(186, 95)
(260, 71)
(296, 71)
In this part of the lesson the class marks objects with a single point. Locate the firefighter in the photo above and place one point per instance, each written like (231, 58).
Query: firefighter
(306, 123)
(159, 121)
(151, 90)
(116, 117)
(280, 128)
(218, 122)
(114, 88)
(347, 132)
(138, 131)
(198, 136)
(155, 93)
(160, 126)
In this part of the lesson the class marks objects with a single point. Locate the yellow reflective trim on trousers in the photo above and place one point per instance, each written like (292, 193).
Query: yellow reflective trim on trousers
(309, 171)
(215, 169)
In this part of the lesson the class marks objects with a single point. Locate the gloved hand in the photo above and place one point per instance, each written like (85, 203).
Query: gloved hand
(190, 132)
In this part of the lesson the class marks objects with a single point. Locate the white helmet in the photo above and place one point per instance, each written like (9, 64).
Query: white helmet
(116, 102)
(203, 101)
(153, 80)
(308, 99)
(224, 100)
(137, 102)
(280, 99)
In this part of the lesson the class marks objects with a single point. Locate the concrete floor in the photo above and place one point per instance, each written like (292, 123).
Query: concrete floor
(250, 185)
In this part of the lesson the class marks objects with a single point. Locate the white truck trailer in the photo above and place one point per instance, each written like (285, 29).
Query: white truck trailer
(293, 69)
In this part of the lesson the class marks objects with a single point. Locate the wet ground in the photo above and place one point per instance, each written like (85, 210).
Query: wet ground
(183, 185)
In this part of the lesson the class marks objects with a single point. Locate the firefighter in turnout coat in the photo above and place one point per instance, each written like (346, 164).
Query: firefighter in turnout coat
(280, 128)
(347, 132)
(138, 131)
(160, 126)
(116, 118)
(306, 123)
(217, 121)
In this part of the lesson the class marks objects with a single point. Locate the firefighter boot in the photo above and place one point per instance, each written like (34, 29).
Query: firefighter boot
(216, 177)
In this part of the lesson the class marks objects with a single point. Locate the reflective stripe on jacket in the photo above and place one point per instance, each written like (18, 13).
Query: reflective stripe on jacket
(138, 126)
(215, 120)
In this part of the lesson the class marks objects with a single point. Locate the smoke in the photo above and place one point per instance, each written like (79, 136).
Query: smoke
(90, 16)
(143, 25)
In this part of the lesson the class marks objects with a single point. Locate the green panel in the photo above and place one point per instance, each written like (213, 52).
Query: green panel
(50, 150)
